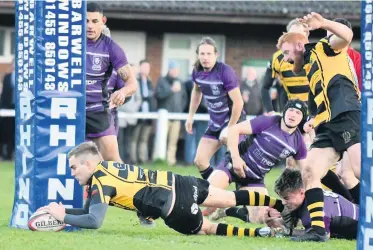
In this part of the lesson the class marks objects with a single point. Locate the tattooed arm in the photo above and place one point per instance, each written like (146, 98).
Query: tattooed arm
(127, 74)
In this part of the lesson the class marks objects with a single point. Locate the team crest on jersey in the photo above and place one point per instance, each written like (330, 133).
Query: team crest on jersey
(215, 90)
(285, 153)
(96, 63)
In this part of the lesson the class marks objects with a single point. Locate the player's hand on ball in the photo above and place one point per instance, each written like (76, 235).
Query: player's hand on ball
(189, 126)
(56, 210)
(239, 166)
(41, 208)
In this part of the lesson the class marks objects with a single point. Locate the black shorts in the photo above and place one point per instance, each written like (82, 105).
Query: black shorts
(186, 216)
(99, 124)
(340, 133)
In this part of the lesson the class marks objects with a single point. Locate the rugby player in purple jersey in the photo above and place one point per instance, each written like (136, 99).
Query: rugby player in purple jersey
(103, 56)
(218, 83)
(271, 139)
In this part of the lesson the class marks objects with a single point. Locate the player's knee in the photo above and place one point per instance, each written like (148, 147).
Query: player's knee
(210, 229)
(200, 162)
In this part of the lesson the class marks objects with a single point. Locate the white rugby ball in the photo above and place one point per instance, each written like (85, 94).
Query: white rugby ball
(44, 222)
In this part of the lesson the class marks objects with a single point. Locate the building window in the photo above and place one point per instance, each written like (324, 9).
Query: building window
(7, 44)
(13, 43)
(181, 48)
(2, 42)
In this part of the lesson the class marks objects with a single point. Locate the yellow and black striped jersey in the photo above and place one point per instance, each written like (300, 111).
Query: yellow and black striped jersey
(130, 187)
(333, 85)
(296, 86)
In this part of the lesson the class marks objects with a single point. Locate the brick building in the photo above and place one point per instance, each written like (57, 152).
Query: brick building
(246, 32)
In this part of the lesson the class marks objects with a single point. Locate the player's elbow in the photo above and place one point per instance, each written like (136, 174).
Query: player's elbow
(134, 86)
(349, 36)
(95, 223)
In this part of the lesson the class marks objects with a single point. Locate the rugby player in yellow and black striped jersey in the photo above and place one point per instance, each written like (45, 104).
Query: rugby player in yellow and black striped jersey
(334, 101)
(155, 194)
(295, 86)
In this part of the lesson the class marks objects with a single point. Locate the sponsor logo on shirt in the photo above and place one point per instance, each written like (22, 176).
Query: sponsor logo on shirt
(96, 63)
(90, 82)
(267, 162)
(215, 105)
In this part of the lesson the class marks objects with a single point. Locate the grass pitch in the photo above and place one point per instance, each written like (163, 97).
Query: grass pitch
(121, 229)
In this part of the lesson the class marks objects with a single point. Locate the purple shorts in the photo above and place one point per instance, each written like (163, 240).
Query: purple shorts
(213, 133)
(99, 124)
(226, 167)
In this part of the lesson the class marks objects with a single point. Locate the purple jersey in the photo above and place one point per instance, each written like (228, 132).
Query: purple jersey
(334, 206)
(102, 57)
(270, 146)
(215, 86)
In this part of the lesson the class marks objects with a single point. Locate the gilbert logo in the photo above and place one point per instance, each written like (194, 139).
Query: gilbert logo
(346, 137)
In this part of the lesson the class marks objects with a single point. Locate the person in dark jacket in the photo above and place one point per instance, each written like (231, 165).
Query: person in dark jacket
(171, 95)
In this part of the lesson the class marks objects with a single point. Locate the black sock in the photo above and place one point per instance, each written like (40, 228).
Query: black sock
(355, 193)
(229, 230)
(252, 198)
(315, 206)
(332, 181)
(206, 173)
(241, 213)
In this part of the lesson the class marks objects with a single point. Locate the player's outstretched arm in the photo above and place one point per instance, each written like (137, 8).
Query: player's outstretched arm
(92, 220)
(342, 34)
(79, 211)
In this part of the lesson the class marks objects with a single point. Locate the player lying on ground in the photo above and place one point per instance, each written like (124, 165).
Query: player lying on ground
(341, 216)
(272, 139)
(172, 197)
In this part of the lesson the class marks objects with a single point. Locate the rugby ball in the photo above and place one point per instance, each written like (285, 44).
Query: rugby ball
(44, 222)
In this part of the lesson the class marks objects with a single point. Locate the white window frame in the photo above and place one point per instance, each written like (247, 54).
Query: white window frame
(8, 56)
(182, 53)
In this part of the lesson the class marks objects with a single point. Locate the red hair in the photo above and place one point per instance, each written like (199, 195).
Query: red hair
(291, 37)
